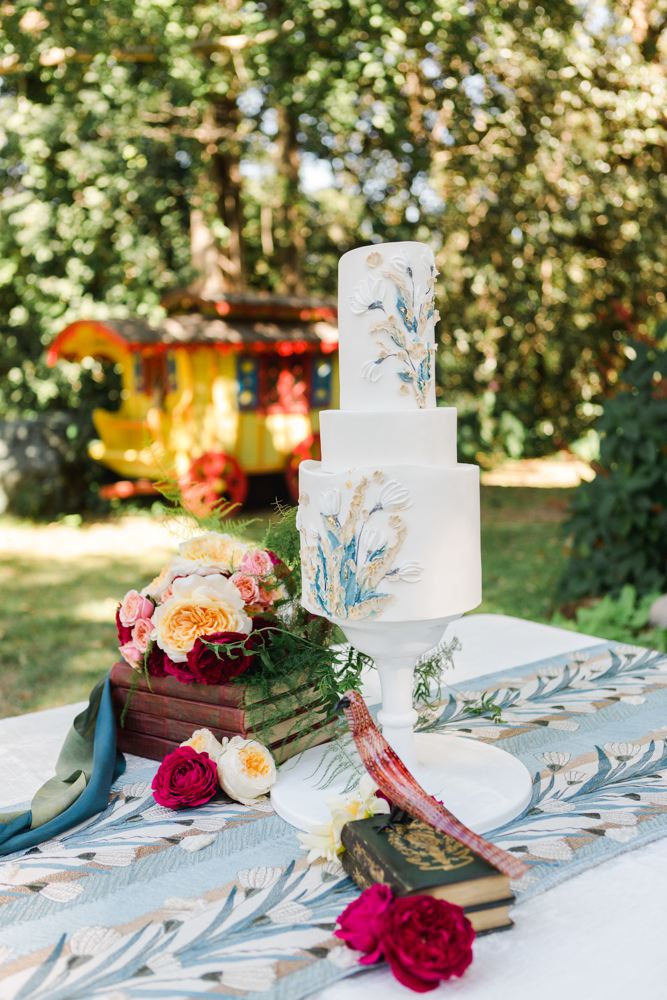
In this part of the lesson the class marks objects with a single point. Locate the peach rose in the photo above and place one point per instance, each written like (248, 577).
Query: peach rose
(213, 549)
(246, 586)
(257, 563)
(268, 597)
(199, 606)
(131, 654)
(167, 595)
(141, 634)
(134, 607)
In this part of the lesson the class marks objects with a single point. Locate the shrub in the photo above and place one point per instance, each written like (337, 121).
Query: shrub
(618, 522)
(624, 619)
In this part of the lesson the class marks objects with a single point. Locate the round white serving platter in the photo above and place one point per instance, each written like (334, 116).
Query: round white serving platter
(483, 786)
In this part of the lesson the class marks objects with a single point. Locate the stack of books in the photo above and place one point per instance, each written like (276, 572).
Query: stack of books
(165, 714)
(414, 859)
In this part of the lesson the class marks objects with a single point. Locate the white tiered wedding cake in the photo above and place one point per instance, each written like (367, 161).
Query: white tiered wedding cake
(389, 522)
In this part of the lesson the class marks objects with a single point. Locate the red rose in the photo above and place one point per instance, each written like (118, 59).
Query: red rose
(360, 924)
(124, 631)
(212, 666)
(426, 940)
(156, 660)
(184, 779)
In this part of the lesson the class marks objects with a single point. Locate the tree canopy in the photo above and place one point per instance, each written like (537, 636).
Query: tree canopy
(526, 144)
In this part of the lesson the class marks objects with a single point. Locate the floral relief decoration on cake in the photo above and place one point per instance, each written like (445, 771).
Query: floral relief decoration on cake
(346, 558)
(404, 337)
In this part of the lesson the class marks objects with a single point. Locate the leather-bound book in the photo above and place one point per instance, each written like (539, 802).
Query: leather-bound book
(282, 696)
(157, 748)
(161, 713)
(414, 859)
(183, 715)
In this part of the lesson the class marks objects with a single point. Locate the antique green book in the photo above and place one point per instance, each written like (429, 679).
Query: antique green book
(484, 919)
(416, 859)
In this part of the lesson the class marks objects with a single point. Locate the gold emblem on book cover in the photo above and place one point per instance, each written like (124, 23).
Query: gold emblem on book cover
(427, 850)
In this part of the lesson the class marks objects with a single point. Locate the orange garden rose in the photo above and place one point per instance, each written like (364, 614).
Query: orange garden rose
(199, 606)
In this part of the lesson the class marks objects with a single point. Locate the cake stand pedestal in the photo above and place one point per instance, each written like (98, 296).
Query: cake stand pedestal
(483, 786)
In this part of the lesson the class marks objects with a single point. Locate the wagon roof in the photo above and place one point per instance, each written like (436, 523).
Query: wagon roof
(241, 319)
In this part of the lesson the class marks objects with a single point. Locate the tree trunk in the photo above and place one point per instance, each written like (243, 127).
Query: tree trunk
(226, 175)
(289, 223)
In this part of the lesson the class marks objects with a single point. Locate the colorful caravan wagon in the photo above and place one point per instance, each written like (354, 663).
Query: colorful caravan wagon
(229, 390)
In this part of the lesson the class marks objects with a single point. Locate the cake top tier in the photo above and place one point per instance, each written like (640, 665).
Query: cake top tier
(386, 327)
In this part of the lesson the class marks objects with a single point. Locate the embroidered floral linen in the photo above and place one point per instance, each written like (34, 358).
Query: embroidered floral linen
(142, 901)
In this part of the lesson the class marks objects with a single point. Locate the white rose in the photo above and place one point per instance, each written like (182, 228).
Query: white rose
(203, 741)
(246, 770)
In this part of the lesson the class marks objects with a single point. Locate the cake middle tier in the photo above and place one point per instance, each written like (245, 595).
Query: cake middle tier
(393, 541)
(353, 439)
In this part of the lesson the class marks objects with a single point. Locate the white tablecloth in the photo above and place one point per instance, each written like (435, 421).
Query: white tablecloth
(598, 936)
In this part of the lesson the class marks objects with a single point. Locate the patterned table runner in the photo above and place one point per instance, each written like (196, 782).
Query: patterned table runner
(144, 902)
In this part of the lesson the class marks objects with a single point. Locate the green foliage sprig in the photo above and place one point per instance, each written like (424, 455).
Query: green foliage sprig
(282, 538)
(427, 684)
(486, 707)
(193, 514)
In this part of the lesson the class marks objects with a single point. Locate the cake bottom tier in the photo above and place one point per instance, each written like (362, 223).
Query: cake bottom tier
(397, 542)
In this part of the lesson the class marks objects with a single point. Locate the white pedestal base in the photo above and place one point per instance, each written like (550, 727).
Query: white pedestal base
(483, 786)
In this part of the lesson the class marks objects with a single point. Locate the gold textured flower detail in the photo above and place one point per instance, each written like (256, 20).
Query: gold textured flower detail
(198, 606)
(374, 259)
(214, 549)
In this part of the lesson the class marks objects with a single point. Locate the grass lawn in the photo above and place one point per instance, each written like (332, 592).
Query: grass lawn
(59, 587)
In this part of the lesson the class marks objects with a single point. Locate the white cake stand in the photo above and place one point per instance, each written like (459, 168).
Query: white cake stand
(481, 785)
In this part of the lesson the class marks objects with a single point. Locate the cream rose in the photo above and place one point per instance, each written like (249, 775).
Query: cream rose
(198, 606)
(203, 741)
(214, 549)
(159, 584)
(246, 770)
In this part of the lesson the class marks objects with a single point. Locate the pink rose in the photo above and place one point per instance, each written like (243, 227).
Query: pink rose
(134, 607)
(130, 653)
(256, 563)
(360, 925)
(426, 940)
(184, 779)
(141, 633)
(246, 586)
(167, 595)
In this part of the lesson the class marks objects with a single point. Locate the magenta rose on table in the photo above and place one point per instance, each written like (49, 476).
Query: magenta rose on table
(360, 925)
(185, 779)
(424, 940)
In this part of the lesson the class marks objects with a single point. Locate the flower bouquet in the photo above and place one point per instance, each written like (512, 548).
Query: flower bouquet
(218, 640)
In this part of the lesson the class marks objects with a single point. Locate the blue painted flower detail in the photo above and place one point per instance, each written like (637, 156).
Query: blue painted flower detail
(346, 558)
(406, 337)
